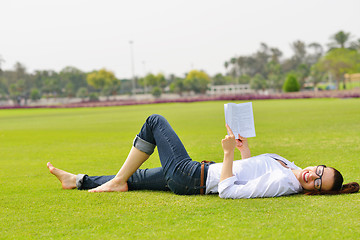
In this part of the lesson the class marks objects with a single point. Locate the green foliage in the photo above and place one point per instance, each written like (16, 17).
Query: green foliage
(197, 81)
(244, 79)
(307, 63)
(156, 92)
(275, 81)
(70, 90)
(340, 40)
(302, 72)
(93, 97)
(291, 84)
(177, 86)
(52, 86)
(100, 79)
(340, 61)
(73, 76)
(219, 79)
(82, 93)
(151, 80)
(316, 75)
(3, 85)
(258, 82)
(35, 94)
(97, 141)
(2, 94)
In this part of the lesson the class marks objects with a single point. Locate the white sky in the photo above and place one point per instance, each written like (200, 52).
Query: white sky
(170, 36)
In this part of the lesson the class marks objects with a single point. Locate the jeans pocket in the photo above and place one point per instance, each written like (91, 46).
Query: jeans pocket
(178, 187)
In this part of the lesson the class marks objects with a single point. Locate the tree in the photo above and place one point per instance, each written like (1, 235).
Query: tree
(16, 91)
(177, 86)
(151, 81)
(302, 72)
(197, 81)
(103, 79)
(356, 45)
(258, 82)
(340, 61)
(71, 76)
(70, 90)
(82, 93)
(291, 84)
(339, 40)
(317, 52)
(244, 79)
(261, 58)
(51, 85)
(3, 86)
(299, 48)
(156, 92)
(93, 97)
(226, 65)
(316, 74)
(255, 63)
(35, 94)
(275, 81)
(219, 79)
(274, 77)
(275, 55)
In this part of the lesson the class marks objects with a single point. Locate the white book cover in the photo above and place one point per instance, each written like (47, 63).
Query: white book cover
(240, 118)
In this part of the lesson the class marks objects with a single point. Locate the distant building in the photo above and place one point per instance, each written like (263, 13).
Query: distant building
(230, 89)
(352, 77)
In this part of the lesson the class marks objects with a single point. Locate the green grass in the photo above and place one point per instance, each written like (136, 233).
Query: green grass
(97, 140)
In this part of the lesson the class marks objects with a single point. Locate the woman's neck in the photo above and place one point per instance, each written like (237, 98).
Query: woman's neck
(297, 173)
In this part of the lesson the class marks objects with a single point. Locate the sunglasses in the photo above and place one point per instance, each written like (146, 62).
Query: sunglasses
(319, 171)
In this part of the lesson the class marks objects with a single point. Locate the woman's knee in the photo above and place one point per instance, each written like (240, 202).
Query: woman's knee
(155, 118)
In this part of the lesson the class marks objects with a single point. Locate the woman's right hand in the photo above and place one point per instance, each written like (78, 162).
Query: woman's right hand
(228, 143)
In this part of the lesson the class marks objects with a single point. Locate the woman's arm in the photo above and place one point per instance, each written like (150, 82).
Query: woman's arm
(228, 144)
(243, 146)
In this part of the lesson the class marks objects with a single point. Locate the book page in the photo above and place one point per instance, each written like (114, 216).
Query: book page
(240, 119)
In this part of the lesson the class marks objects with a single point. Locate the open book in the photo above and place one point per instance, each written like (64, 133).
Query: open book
(240, 119)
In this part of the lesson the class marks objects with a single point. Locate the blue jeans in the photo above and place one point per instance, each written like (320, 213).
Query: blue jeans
(178, 173)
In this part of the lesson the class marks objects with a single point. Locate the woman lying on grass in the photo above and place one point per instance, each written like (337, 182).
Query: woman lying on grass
(267, 175)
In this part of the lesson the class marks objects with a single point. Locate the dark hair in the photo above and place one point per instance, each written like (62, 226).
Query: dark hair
(338, 187)
(338, 180)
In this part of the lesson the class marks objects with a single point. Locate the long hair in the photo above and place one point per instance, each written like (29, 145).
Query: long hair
(338, 187)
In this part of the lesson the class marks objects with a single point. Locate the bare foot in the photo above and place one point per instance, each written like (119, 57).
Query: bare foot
(68, 180)
(111, 186)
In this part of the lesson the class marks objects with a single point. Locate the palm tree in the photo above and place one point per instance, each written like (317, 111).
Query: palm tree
(226, 65)
(340, 40)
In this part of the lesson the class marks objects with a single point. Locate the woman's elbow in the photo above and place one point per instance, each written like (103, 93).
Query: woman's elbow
(224, 194)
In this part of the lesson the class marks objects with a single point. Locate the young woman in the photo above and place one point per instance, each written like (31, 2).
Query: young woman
(266, 175)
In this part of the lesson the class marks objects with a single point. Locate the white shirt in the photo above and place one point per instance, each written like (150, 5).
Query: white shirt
(259, 176)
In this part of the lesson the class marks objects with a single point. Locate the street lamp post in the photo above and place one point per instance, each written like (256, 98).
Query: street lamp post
(143, 62)
(132, 67)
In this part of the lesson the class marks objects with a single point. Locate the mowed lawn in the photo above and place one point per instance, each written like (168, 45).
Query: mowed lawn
(96, 141)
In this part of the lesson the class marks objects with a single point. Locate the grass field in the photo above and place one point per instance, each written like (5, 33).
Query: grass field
(96, 141)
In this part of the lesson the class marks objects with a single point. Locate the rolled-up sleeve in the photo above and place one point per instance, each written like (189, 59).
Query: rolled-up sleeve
(271, 184)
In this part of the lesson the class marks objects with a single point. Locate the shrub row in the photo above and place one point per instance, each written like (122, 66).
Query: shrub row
(295, 95)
